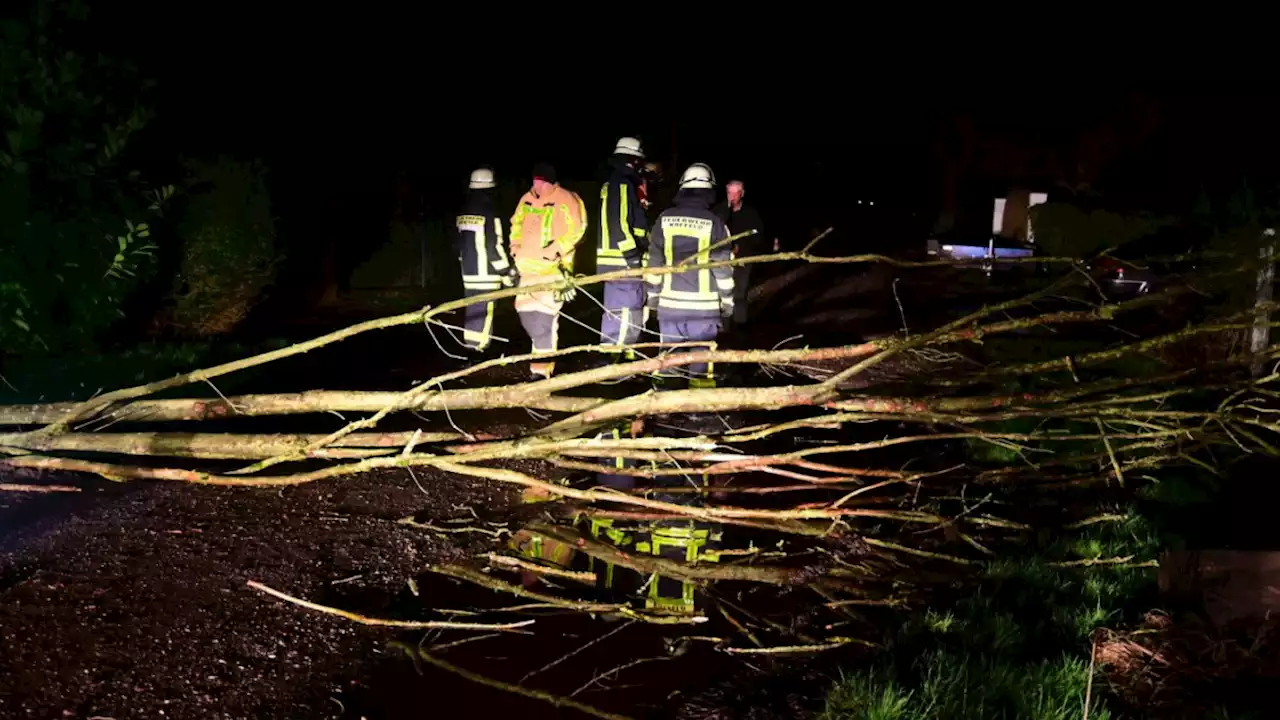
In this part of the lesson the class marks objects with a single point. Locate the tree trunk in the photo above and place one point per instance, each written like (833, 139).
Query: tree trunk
(314, 401)
(218, 446)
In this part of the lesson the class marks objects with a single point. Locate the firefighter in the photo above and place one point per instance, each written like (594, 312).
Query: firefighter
(613, 582)
(690, 304)
(623, 242)
(545, 230)
(682, 541)
(482, 253)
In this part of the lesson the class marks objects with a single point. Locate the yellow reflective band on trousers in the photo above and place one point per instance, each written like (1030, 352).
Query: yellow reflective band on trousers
(603, 529)
(536, 547)
(481, 337)
(546, 369)
(689, 545)
(690, 541)
(624, 325)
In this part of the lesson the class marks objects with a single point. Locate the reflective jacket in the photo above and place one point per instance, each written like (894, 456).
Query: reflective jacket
(545, 230)
(687, 232)
(481, 247)
(624, 229)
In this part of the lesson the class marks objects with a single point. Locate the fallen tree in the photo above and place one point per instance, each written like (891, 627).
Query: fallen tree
(884, 494)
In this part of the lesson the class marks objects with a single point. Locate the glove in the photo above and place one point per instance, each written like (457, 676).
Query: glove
(567, 291)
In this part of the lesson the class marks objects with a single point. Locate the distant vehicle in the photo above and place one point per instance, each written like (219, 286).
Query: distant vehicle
(986, 257)
(1149, 264)
(1123, 280)
(1010, 236)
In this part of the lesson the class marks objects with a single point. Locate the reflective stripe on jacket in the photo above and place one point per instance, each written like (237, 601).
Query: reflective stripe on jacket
(624, 229)
(690, 232)
(479, 241)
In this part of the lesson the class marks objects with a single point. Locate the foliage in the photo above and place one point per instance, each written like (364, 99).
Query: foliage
(1066, 229)
(229, 251)
(74, 230)
(1016, 648)
(1241, 228)
(965, 685)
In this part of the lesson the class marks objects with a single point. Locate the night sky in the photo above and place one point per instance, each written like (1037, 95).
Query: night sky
(340, 107)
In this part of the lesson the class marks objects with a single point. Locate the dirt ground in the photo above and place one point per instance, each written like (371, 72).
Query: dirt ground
(129, 601)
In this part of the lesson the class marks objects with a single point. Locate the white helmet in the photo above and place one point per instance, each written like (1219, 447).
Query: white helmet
(628, 146)
(697, 176)
(481, 179)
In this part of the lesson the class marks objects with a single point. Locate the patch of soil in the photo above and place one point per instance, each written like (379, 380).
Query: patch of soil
(783, 691)
(131, 601)
(1184, 667)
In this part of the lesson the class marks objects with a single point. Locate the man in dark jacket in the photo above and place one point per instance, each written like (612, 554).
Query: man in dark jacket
(691, 303)
(741, 217)
(482, 253)
(623, 244)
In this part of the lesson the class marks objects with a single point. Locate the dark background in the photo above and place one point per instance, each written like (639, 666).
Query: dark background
(379, 109)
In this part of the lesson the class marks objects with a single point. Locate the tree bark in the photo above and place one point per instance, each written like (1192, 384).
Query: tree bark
(217, 446)
(314, 401)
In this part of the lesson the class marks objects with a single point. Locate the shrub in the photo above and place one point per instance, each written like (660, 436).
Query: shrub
(229, 254)
(74, 237)
(1067, 229)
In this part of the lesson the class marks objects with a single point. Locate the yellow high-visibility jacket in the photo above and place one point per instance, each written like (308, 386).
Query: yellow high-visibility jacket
(546, 230)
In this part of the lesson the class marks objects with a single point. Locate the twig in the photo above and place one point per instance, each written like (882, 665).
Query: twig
(876, 542)
(906, 332)
(608, 673)
(384, 622)
(479, 578)
(446, 646)
(1088, 687)
(20, 487)
(580, 648)
(576, 576)
(794, 649)
(555, 700)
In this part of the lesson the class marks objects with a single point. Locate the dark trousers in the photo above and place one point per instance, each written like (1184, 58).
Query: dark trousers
(477, 321)
(678, 326)
(623, 318)
(741, 284)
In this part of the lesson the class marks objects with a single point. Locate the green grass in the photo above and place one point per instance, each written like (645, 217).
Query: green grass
(967, 685)
(1015, 644)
